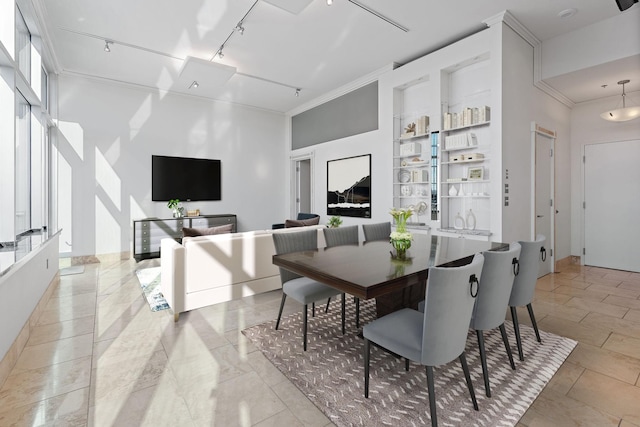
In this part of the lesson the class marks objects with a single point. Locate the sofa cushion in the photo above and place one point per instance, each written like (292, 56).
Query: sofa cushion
(206, 231)
(301, 222)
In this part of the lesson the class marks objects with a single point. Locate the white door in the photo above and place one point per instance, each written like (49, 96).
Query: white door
(612, 205)
(544, 198)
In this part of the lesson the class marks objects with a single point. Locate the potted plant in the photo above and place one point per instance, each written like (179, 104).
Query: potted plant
(334, 222)
(176, 207)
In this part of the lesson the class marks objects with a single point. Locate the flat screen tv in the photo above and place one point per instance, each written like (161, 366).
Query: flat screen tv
(184, 178)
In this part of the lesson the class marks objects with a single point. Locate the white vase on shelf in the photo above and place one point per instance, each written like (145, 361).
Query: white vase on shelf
(461, 191)
(471, 220)
(458, 222)
(453, 191)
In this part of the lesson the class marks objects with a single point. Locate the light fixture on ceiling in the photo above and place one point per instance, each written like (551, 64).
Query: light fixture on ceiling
(106, 46)
(329, 2)
(567, 13)
(622, 114)
(239, 28)
(297, 92)
(194, 85)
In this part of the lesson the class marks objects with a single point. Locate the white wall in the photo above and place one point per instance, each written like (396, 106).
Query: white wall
(22, 287)
(108, 134)
(587, 127)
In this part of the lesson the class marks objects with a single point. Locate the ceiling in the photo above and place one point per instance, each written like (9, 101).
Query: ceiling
(167, 44)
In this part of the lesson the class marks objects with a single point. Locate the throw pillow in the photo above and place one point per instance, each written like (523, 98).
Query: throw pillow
(301, 222)
(194, 232)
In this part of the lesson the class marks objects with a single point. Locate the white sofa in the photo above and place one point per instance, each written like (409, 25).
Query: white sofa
(207, 270)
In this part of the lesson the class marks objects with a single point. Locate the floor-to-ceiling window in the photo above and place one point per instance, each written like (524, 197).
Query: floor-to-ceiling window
(23, 165)
(25, 152)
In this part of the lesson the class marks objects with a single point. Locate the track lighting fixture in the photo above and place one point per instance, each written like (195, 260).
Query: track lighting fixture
(329, 2)
(239, 28)
(220, 54)
(297, 92)
(194, 85)
(106, 46)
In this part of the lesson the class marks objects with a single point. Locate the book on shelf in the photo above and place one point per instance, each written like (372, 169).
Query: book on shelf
(462, 140)
(410, 149)
(422, 125)
(467, 117)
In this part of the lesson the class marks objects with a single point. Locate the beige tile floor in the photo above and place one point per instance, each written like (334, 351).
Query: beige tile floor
(100, 357)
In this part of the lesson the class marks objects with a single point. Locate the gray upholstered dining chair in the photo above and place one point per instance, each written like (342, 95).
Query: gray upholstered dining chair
(344, 236)
(300, 288)
(436, 336)
(496, 282)
(379, 231)
(524, 285)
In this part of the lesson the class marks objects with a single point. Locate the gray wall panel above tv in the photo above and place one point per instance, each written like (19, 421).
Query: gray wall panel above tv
(350, 114)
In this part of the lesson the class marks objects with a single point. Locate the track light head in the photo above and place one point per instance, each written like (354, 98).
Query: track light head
(297, 92)
(329, 2)
(220, 54)
(106, 46)
(194, 85)
(239, 28)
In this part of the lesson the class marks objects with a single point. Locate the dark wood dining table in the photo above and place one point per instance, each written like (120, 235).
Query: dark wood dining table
(369, 270)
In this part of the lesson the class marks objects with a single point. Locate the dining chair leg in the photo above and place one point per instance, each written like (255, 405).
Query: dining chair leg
(516, 328)
(533, 321)
(304, 328)
(467, 376)
(483, 360)
(367, 351)
(313, 309)
(284, 297)
(326, 309)
(344, 300)
(507, 347)
(406, 364)
(357, 312)
(432, 397)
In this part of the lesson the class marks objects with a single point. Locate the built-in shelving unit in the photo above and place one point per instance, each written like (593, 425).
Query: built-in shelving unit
(411, 164)
(465, 151)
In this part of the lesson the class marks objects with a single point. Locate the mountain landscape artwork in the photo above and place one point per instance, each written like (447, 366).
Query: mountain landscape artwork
(349, 187)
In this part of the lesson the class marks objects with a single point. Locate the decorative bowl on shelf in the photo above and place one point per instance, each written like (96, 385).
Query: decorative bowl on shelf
(404, 176)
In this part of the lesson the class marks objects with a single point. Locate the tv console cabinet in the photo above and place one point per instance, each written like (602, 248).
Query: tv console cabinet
(148, 232)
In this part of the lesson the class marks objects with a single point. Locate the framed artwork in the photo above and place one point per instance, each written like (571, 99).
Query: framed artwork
(349, 186)
(475, 174)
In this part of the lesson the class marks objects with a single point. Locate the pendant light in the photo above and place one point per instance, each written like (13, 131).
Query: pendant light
(622, 114)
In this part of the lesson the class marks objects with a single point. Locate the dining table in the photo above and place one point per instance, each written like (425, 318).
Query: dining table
(370, 269)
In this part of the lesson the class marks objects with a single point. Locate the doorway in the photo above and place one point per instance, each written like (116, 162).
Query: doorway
(544, 193)
(302, 195)
(612, 205)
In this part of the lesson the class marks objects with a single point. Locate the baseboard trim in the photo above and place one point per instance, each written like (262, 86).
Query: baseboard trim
(11, 358)
(567, 262)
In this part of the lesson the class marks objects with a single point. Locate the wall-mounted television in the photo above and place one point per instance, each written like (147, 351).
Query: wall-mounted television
(184, 178)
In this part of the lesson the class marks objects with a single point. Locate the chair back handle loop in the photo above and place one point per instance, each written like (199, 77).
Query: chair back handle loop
(473, 279)
(543, 254)
(516, 266)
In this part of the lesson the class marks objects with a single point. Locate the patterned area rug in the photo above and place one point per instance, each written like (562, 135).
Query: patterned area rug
(331, 373)
(149, 279)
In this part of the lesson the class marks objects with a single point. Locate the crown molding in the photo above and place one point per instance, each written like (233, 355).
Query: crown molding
(45, 36)
(509, 20)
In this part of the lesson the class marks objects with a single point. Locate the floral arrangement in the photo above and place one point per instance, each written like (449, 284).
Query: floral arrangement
(401, 238)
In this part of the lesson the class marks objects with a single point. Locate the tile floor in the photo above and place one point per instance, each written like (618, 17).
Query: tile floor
(99, 356)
